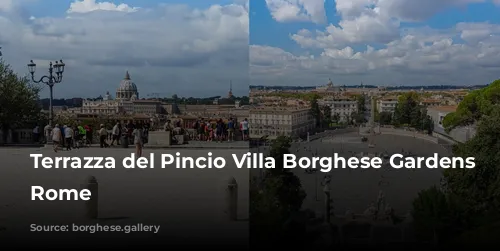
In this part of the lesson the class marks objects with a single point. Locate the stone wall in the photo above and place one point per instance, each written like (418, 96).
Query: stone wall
(159, 138)
(19, 136)
(408, 133)
(332, 133)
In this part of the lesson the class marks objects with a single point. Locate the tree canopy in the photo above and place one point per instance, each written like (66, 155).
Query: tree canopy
(476, 104)
(409, 112)
(275, 202)
(407, 109)
(308, 96)
(480, 187)
(18, 99)
(474, 194)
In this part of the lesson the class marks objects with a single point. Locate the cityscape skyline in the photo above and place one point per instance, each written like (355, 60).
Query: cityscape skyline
(395, 42)
(289, 44)
(169, 47)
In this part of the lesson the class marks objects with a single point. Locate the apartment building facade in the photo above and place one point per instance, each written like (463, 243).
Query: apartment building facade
(280, 121)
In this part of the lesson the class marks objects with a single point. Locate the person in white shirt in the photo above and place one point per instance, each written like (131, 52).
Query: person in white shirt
(47, 131)
(56, 137)
(244, 129)
(68, 134)
(138, 134)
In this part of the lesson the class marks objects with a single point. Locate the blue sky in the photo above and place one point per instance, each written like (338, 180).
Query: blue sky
(41, 8)
(288, 52)
(168, 46)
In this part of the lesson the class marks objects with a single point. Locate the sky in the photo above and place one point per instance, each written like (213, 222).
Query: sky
(375, 42)
(192, 48)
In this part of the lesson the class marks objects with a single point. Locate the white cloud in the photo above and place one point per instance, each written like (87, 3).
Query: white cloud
(468, 53)
(421, 56)
(297, 10)
(168, 49)
(6, 5)
(373, 21)
(85, 6)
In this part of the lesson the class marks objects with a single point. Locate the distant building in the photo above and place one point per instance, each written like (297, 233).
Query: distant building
(274, 122)
(431, 102)
(126, 102)
(438, 113)
(387, 104)
(328, 88)
(344, 106)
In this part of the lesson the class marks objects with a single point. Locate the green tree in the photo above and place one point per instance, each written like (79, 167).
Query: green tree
(361, 103)
(474, 106)
(479, 187)
(327, 115)
(274, 204)
(316, 112)
(435, 216)
(426, 123)
(336, 117)
(474, 192)
(385, 118)
(18, 99)
(407, 109)
(359, 116)
(303, 96)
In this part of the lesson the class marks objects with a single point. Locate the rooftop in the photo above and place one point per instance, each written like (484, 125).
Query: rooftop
(445, 108)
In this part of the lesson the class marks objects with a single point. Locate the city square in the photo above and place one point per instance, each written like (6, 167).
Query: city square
(354, 189)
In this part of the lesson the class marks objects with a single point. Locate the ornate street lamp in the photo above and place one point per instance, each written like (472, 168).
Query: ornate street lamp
(55, 76)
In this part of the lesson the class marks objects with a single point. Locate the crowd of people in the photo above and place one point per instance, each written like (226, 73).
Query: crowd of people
(219, 130)
(69, 137)
(76, 136)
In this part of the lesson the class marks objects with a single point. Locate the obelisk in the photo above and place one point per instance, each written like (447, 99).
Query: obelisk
(372, 122)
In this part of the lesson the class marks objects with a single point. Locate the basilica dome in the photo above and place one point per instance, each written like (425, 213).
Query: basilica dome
(127, 88)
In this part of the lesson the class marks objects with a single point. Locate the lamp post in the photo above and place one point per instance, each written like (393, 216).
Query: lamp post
(55, 76)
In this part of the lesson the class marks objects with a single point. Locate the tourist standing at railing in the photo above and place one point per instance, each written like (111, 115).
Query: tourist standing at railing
(88, 133)
(201, 130)
(244, 129)
(230, 130)
(219, 127)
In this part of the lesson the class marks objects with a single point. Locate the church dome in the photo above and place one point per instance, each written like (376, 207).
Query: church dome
(330, 83)
(127, 84)
(127, 88)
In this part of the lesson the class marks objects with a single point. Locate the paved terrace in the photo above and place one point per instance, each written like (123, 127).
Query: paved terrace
(187, 202)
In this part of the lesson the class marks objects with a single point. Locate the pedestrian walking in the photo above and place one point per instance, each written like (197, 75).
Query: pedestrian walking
(68, 134)
(56, 137)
